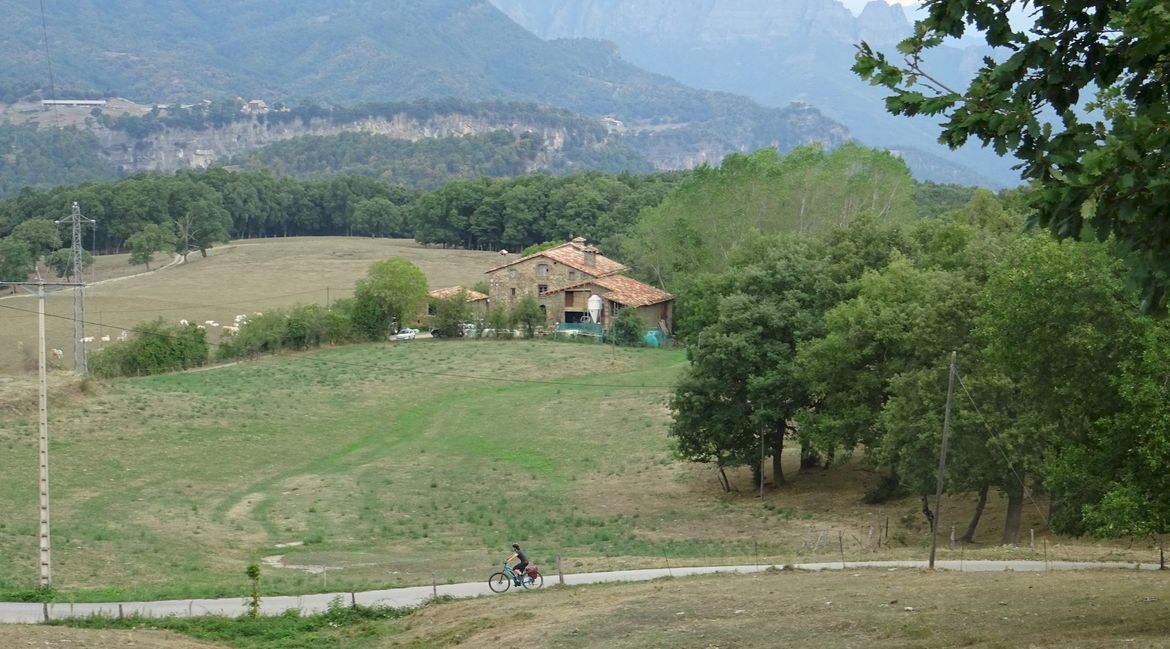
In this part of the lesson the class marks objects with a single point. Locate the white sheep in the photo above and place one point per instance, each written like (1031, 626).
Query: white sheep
(124, 335)
(184, 322)
(87, 339)
(230, 330)
(58, 354)
(211, 323)
(106, 338)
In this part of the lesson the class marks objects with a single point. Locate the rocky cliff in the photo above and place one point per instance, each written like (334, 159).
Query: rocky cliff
(170, 149)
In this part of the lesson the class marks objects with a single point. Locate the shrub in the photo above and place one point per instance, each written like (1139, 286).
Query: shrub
(154, 349)
(628, 328)
(301, 327)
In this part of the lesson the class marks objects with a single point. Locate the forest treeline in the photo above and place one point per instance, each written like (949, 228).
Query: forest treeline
(430, 163)
(195, 209)
(31, 156)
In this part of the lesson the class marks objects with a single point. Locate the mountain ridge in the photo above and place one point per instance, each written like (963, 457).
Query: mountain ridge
(795, 50)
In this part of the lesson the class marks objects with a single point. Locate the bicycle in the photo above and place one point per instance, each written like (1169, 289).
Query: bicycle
(501, 581)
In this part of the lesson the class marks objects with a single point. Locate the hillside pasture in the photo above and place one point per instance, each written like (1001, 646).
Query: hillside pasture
(242, 277)
(402, 463)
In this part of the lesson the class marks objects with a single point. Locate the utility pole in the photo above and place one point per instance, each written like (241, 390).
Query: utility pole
(45, 562)
(43, 435)
(942, 461)
(80, 362)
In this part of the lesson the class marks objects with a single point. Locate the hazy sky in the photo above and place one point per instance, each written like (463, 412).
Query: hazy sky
(856, 5)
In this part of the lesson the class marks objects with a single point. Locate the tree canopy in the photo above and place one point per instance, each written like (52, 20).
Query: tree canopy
(1099, 163)
(392, 294)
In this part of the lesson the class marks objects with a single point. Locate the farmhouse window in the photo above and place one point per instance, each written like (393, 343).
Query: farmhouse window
(542, 270)
(541, 289)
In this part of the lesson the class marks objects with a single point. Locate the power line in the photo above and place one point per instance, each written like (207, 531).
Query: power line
(49, 63)
(994, 442)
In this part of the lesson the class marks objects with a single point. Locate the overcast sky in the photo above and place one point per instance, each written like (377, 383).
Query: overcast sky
(857, 5)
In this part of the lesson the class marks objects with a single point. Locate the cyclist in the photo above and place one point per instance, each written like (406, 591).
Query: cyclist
(518, 569)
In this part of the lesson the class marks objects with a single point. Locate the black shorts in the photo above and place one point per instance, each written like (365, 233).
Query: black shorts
(519, 569)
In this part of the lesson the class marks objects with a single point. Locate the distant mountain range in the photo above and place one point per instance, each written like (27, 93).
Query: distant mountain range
(341, 53)
(775, 53)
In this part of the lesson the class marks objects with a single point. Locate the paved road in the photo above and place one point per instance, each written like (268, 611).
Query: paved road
(33, 613)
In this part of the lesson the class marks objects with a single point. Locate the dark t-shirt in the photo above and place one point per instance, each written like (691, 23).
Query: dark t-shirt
(523, 558)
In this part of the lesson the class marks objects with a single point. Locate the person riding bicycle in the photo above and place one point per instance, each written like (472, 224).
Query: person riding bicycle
(518, 569)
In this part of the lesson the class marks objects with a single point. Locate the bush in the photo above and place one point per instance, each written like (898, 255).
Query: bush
(302, 327)
(156, 348)
(628, 328)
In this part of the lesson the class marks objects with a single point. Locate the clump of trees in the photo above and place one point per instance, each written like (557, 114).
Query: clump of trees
(719, 210)
(841, 343)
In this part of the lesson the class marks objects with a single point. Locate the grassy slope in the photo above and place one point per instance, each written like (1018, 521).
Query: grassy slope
(240, 277)
(873, 609)
(395, 464)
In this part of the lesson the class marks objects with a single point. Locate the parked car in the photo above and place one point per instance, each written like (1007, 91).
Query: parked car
(439, 333)
(406, 334)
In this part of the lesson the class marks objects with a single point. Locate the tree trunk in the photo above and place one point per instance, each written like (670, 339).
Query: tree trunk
(1015, 515)
(809, 458)
(723, 481)
(757, 475)
(969, 535)
(777, 469)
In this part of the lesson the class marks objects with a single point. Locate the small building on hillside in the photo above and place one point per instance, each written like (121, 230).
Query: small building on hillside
(564, 277)
(617, 292)
(255, 107)
(476, 300)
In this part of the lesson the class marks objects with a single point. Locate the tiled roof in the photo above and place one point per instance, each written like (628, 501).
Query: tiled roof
(572, 254)
(624, 290)
(447, 293)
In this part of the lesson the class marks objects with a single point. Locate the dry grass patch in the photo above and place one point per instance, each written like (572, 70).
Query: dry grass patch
(240, 277)
(874, 609)
(55, 637)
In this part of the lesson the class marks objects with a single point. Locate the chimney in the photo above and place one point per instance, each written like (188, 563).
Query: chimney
(590, 254)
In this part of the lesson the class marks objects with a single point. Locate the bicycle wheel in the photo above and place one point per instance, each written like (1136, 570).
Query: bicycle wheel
(534, 582)
(499, 582)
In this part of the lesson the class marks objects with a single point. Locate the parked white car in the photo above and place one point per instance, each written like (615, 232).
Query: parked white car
(406, 334)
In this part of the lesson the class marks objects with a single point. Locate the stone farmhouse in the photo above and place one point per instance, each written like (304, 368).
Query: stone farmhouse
(562, 279)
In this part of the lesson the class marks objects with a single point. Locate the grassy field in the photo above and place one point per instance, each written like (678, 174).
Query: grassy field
(384, 465)
(237, 278)
(833, 610)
